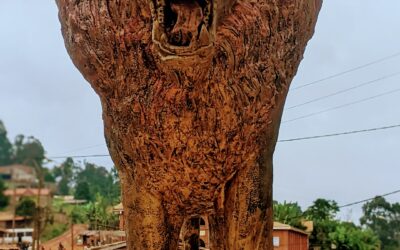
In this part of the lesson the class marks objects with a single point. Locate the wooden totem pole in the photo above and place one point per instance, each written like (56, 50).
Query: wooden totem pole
(192, 94)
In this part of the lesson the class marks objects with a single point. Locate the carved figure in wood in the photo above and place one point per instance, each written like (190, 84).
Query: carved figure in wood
(192, 94)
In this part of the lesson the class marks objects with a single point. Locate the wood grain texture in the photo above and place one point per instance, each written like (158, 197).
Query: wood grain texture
(192, 135)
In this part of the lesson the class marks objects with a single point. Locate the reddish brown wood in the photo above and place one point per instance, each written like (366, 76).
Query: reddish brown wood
(191, 127)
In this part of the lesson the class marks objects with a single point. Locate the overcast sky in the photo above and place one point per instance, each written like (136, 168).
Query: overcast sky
(42, 94)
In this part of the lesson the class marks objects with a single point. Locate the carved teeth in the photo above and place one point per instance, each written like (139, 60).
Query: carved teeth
(160, 12)
(160, 3)
(207, 12)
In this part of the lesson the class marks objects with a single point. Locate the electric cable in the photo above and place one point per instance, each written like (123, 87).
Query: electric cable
(348, 71)
(341, 106)
(339, 134)
(280, 141)
(344, 90)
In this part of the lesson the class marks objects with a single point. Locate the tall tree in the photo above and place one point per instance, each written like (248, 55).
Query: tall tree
(322, 213)
(289, 213)
(322, 209)
(384, 219)
(28, 151)
(6, 149)
(66, 174)
(82, 191)
(93, 180)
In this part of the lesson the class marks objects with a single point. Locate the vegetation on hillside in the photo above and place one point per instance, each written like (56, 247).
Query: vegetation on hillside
(82, 180)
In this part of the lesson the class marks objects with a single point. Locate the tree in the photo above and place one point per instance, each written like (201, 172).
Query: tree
(4, 200)
(93, 180)
(289, 213)
(66, 174)
(322, 213)
(348, 236)
(48, 175)
(82, 191)
(26, 207)
(322, 210)
(329, 232)
(99, 217)
(383, 218)
(6, 150)
(28, 151)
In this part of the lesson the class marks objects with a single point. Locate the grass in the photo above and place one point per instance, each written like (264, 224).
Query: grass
(53, 230)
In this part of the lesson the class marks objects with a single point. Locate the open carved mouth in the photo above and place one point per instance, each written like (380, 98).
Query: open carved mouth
(183, 27)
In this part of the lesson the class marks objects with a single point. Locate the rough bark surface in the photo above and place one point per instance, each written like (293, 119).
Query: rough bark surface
(192, 95)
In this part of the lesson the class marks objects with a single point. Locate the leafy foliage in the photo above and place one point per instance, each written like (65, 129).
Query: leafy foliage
(5, 146)
(99, 217)
(94, 180)
(26, 207)
(53, 230)
(82, 191)
(383, 218)
(322, 210)
(289, 213)
(349, 236)
(66, 174)
(28, 151)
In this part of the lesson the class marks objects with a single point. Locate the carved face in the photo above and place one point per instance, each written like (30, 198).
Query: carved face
(185, 30)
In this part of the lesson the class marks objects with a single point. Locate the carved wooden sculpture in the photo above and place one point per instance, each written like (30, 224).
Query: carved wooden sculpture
(192, 94)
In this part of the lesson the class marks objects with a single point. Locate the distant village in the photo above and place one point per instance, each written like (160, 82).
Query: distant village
(16, 230)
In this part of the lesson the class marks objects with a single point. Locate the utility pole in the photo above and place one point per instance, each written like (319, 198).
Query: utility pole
(38, 217)
(14, 200)
(72, 233)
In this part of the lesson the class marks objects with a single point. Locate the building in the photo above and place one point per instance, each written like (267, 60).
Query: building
(7, 219)
(286, 237)
(69, 200)
(204, 232)
(18, 175)
(18, 194)
(96, 238)
(119, 210)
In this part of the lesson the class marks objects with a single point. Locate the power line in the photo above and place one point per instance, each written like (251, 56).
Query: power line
(79, 156)
(339, 134)
(369, 199)
(352, 203)
(342, 106)
(84, 148)
(344, 90)
(284, 140)
(348, 71)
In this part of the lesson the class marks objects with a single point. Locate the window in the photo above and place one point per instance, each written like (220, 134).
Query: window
(276, 241)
